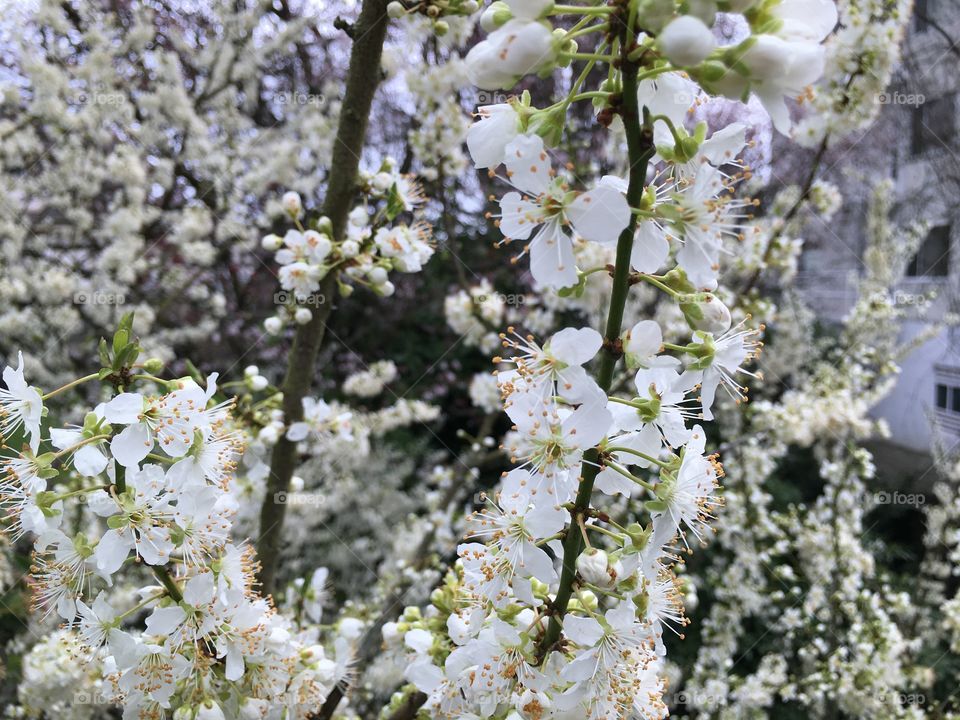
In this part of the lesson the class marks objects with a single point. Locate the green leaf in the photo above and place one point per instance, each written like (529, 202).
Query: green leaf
(104, 352)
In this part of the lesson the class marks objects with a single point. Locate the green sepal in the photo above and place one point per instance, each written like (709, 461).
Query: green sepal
(657, 506)
(394, 203)
(576, 290)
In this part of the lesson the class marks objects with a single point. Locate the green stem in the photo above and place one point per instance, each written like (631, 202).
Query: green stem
(630, 476)
(161, 458)
(146, 601)
(589, 95)
(657, 284)
(599, 27)
(69, 385)
(604, 531)
(596, 589)
(166, 579)
(77, 446)
(639, 454)
(629, 403)
(81, 491)
(640, 149)
(579, 10)
(587, 56)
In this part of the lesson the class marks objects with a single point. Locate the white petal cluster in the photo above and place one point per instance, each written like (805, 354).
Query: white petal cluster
(156, 469)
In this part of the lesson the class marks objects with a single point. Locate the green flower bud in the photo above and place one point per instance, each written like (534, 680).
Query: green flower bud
(153, 365)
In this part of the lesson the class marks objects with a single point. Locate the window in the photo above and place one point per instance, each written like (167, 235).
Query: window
(947, 391)
(932, 125)
(933, 257)
(948, 398)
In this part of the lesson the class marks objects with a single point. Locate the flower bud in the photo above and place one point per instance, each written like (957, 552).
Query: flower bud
(269, 435)
(712, 71)
(258, 383)
(704, 311)
(382, 182)
(251, 370)
(531, 9)
(441, 28)
(378, 275)
(350, 628)
(292, 204)
(391, 633)
(350, 248)
(395, 10)
(325, 226)
(386, 289)
(470, 7)
(273, 325)
(271, 242)
(358, 216)
(153, 365)
(296, 483)
(592, 566)
(494, 16)
(302, 316)
(686, 41)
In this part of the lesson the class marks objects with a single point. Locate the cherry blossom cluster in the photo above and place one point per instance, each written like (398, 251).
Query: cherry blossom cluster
(372, 246)
(559, 601)
(860, 61)
(781, 58)
(152, 463)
